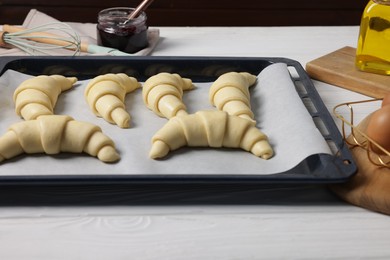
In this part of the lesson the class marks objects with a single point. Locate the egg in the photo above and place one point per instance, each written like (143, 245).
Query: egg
(386, 100)
(378, 128)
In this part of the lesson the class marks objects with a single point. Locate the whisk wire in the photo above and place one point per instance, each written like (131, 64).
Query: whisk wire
(26, 47)
(38, 40)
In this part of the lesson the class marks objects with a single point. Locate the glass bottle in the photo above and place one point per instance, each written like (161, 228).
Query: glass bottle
(114, 32)
(373, 50)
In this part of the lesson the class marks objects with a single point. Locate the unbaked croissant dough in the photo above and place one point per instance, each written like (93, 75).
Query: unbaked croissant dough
(230, 93)
(52, 134)
(105, 95)
(38, 96)
(163, 93)
(210, 128)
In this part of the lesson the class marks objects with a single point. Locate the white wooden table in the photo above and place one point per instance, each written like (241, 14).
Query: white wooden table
(299, 223)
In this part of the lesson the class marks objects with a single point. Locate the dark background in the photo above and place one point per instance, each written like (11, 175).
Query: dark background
(199, 12)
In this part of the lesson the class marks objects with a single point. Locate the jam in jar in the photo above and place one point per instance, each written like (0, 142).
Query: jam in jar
(114, 30)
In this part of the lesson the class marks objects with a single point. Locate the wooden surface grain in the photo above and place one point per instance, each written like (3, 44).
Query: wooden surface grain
(338, 68)
(194, 232)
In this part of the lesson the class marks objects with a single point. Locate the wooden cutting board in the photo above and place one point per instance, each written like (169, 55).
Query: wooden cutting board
(338, 68)
(370, 186)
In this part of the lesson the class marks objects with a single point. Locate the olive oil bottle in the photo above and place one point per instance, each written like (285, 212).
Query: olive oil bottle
(373, 50)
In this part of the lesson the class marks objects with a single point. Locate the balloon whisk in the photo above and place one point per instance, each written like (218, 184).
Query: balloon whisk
(41, 40)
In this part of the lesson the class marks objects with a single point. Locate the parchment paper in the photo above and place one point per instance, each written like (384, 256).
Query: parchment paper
(279, 112)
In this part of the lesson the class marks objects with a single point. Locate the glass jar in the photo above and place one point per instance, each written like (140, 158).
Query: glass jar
(373, 50)
(113, 31)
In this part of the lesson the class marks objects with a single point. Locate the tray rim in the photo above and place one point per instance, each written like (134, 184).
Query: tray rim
(333, 162)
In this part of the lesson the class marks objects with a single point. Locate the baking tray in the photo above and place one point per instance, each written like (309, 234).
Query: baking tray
(317, 169)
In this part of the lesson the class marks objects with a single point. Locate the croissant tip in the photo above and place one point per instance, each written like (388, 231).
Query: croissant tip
(108, 154)
(121, 117)
(262, 149)
(266, 156)
(124, 123)
(159, 149)
(72, 79)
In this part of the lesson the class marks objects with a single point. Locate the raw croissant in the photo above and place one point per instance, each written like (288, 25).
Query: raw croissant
(38, 96)
(230, 93)
(105, 95)
(210, 128)
(163, 93)
(52, 134)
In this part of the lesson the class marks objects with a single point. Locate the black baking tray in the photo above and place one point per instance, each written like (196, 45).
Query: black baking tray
(317, 169)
